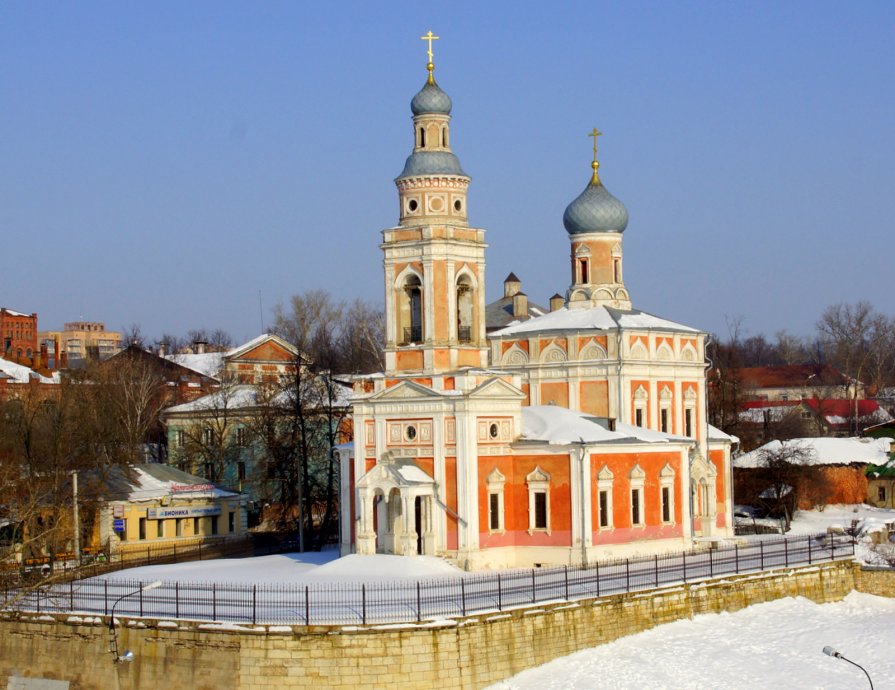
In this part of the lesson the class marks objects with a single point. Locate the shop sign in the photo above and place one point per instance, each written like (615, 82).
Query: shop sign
(182, 512)
(118, 525)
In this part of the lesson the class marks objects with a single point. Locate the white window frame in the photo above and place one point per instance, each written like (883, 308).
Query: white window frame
(666, 481)
(637, 483)
(665, 399)
(604, 483)
(538, 481)
(690, 408)
(495, 483)
(641, 398)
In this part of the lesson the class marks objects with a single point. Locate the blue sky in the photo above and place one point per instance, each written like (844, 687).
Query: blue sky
(162, 163)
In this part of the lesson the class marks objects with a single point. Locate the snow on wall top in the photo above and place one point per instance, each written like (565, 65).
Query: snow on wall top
(823, 451)
(558, 425)
(22, 374)
(599, 318)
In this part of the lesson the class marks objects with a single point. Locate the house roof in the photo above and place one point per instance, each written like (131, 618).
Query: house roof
(245, 397)
(22, 374)
(153, 481)
(823, 451)
(592, 318)
(834, 411)
(500, 312)
(792, 376)
(208, 363)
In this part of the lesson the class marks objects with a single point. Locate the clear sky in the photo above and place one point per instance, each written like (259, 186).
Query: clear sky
(161, 163)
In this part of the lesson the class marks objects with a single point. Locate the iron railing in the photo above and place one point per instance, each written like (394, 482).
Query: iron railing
(406, 601)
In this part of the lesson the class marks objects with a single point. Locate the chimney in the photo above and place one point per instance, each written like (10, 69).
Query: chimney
(161, 350)
(520, 305)
(511, 285)
(63, 361)
(557, 302)
(56, 362)
(44, 356)
(200, 347)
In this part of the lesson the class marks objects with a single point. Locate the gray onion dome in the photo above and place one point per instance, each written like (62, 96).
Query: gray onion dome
(431, 100)
(595, 210)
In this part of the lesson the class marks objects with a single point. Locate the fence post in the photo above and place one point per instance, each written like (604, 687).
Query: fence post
(499, 594)
(141, 597)
(419, 611)
(711, 564)
(761, 552)
(254, 604)
(105, 597)
(363, 604)
(533, 596)
(627, 574)
(566, 573)
(684, 557)
(307, 606)
(214, 601)
(463, 595)
(736, 557)
(177, 599)
(657, 570)
(786, 552)
(809, 549)
(597, 569)
(71, 595)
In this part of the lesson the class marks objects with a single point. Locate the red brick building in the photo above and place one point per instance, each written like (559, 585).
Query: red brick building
(19, 332)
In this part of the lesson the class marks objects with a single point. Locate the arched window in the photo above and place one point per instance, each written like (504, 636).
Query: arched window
(410, 313)
(422, 137)
(465, 301)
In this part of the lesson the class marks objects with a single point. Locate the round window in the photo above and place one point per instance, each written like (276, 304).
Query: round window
(457, 205)
(410, 433)
(494, 431)
(412, 205)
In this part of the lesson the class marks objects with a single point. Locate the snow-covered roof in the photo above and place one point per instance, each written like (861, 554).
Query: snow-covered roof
(823, 451)
(258, 340)
(207, 364)
(157, 481)
(11, 312)
(22, 374)
(561, 426)
(715, 434)
(245, 396)
(592, 318)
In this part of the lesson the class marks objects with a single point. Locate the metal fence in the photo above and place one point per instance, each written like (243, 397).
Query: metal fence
(350, 603)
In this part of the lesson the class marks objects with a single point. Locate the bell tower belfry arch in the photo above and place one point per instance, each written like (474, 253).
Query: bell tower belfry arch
(434, 262)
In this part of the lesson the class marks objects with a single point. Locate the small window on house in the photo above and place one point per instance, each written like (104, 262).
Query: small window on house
(688, 422)
(638, 417)
(142, 533)
(242, 436)
(881, 493)
(666, 504)
(160, 529)
(663, 417)
(241, 471)
(179, 527)
(604, 509)
(494, 431)
(494, 511)
(636, 517)
(196, 526)
(540, 498)
(207, 436)
(178, 438)
(214, 524)
(231, 522)
(410, 432)
(209, 471)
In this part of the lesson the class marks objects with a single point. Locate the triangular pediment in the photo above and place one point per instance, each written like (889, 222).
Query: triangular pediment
(406, 390)
(264, 348)
(497, 388)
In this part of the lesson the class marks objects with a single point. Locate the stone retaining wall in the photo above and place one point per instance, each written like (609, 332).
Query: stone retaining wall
(463, 654)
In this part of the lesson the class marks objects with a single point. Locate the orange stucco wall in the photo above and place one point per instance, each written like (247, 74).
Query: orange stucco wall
(469, 358)
(450, 497)
(409, 360)
(556, 393)
(594, 397)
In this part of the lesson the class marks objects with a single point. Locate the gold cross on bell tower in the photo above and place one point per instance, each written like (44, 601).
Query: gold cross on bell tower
(431, 64)
(596, 164)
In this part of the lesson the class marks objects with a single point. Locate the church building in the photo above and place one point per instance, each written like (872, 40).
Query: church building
(573, 435)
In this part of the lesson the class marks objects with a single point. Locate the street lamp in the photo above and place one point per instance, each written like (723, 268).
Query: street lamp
(829, 651)
(113, 647)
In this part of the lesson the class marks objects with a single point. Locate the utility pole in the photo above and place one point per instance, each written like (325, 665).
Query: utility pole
(74, 486)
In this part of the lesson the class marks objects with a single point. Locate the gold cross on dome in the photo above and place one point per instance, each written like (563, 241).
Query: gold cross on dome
(429, 37)
(595, 165)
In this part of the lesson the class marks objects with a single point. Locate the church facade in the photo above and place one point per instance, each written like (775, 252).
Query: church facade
(571, 436)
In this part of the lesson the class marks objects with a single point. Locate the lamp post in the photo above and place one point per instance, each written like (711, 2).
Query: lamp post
(829, 651)
(113, 647)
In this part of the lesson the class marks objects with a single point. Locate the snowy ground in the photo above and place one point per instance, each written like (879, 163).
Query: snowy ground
(297, 568)
(773, 645)
(864, 518)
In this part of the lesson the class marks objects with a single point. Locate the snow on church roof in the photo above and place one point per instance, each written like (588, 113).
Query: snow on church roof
(559, 425)
(599, 318)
